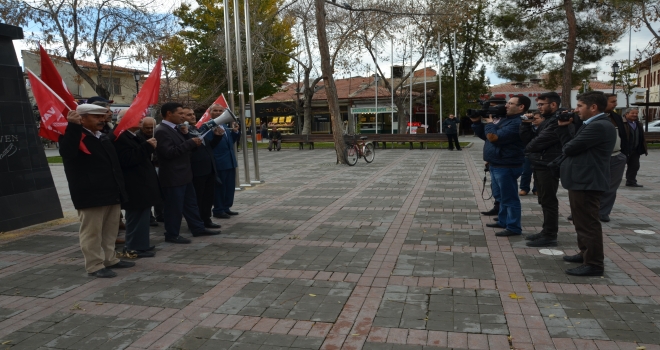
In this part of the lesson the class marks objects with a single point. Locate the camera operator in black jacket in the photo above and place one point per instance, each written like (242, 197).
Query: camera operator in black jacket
(542, 147)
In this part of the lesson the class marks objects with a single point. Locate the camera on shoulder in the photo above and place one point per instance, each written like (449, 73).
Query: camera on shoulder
(566, 115)
(494, 106)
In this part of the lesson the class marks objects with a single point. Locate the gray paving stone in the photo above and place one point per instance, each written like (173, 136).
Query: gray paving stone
(38, 244)
(446, 237)
(367, 234)
(223, 254)
(551, 269)
(208, 338)
(158, 288)
(444, 264)
(48, 281)
(282, 298)
(259, 230)
(350, 260)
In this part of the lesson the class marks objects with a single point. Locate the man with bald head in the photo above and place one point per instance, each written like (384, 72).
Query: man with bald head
(147, 126)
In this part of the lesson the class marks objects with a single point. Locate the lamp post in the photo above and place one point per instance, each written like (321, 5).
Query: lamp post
(615, 69)
(136, 77)
(584, 85)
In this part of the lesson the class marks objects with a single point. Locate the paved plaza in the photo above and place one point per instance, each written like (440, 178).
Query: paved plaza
(382, 256)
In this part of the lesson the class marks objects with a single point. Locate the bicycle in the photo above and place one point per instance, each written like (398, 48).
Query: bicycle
(360, 149)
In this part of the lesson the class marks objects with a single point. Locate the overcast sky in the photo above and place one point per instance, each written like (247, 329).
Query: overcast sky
(639, 41)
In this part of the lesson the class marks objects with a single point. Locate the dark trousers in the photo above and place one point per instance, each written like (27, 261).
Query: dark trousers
(205, 191)
(453, 138)
(526, 177)
(181, 201)
(633, 168)
(584, 208)
(158, 211)
(224, 193)
(137, 228)
(617, 166)
(546, 189)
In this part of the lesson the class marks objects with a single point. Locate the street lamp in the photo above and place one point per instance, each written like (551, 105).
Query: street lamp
(584, 85)
(615, 69)
(136, 77)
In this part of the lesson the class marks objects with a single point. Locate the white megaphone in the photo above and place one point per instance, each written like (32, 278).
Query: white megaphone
(226, 117)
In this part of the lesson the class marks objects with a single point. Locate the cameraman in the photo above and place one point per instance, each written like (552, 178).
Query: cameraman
(585, 173)
(503, 151)
(543, 146)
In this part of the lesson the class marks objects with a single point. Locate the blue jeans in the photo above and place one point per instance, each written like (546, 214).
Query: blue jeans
(526, 177)
(506, 182)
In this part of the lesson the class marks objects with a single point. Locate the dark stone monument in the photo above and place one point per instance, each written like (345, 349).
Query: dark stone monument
(27, 190)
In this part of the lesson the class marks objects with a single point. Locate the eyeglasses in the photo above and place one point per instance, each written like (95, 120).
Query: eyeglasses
(542, 104)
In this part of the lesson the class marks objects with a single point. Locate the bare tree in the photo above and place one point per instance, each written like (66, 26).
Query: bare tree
(81, 28)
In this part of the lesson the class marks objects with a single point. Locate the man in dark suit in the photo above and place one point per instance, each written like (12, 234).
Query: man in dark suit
(275, 137)
(96, 185)
(147, 126)
(134, 154)
(225, 165)
(203, 168)
(635, 132)
(450, 127)
(175, 174)
(585, 173)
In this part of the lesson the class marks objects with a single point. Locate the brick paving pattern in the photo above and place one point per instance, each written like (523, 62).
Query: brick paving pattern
(392, 255)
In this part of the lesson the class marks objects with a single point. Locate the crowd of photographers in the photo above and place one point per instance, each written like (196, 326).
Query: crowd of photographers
(586, 149)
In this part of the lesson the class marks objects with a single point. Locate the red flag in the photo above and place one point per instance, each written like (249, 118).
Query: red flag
(52, 109)
(146, 97)
(51, 77)
(207, 115)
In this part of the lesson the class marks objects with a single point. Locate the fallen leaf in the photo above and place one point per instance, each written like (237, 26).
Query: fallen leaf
(515, 296)
(556, 304)
(312, 295)
(551, 315)
(6, 342)
(577, 322)
(637, 348)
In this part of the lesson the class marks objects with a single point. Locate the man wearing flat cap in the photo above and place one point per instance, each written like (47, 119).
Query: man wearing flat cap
(96, 185)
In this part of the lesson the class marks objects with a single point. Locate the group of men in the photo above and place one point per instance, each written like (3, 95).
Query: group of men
(179, 170)
(587, 151)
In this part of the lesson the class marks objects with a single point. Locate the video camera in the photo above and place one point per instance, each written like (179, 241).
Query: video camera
(565, 115)
(495, 106)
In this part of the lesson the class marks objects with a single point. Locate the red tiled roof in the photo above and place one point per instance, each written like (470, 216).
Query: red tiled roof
(355, 88)
(420, 73)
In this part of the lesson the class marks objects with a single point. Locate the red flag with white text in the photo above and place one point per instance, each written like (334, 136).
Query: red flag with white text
(147, 96)
(207, 115)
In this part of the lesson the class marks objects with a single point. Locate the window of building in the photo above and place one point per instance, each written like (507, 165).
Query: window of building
(113, 85)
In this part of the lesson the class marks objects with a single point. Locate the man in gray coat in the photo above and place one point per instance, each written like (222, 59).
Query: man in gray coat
(585, 173)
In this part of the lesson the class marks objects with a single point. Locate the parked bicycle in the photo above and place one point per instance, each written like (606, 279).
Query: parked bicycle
(360, 149)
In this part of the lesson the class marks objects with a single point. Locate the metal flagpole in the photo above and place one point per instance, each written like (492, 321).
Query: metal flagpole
(440, 82)
(241, 94)
(392, 83)
(376, 87)
(253, 109)
(426, 116)
(410, 83)
(230, 79)
(455, 96)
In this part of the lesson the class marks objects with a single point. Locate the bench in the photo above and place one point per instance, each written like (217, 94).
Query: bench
(375, 138)
(652, 137)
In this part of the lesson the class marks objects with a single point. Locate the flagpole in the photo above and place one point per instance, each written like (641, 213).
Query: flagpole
(230, 81)
(426, 114)
(455, 97)
(411, 86)
(440, 82)
(392, 84)
(253, 108)
(241, 94)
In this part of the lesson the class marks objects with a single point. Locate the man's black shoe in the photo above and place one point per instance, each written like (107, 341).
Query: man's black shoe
(605, 218)
(634, 185)
(543, 242)
(231, 212)
(160, 219)
(221, 216)
(586, 270)
(121, 265)
(577, 258)
(570, 217)
(177, 240)
(491, 212)
(211, 224)
(103, 273)
(507, 233)
(494, 225)
(534, 236)
(151, 248)
(206, 233)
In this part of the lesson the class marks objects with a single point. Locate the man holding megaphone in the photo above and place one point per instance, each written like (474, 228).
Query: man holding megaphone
(225, 161)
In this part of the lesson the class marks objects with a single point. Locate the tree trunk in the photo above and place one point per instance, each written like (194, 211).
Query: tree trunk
(567, 79)
(330, 88)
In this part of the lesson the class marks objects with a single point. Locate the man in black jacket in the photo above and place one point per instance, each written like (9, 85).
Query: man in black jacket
(147, 126)
(175, 175)
(96, 185)
(585, 173)
(275, 137)
(203, 168)
(450, 127)
(635, 132)
(617, 162)
(542, 147)
(134, 154)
